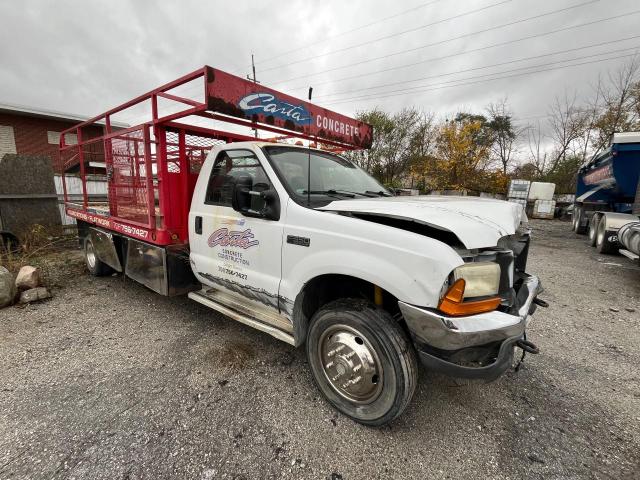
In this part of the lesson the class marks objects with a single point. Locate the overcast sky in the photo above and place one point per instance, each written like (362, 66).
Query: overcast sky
(84, 57)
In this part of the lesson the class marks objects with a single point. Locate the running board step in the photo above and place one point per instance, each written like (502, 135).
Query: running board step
(242, 318)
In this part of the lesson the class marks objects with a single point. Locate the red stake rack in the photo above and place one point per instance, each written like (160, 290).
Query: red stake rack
(152, 167)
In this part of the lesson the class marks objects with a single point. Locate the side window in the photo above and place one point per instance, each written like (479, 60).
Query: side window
(236, 166)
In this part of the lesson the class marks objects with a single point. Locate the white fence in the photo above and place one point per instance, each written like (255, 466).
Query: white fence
(96, 191)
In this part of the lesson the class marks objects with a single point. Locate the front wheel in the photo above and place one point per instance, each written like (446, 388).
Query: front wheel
(362, 361)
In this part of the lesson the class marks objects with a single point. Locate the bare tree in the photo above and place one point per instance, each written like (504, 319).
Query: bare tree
(505, 133)
(618, 107)
(424, 136)
(397, 154)
(592, 111)
(567, 125)
(537, 151)
(422, 147)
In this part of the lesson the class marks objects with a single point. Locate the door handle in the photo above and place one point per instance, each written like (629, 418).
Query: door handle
(199, 225)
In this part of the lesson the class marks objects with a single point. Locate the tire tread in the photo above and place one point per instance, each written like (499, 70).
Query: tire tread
(383, 321)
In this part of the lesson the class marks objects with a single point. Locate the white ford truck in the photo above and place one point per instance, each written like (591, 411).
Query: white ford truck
(302, 244)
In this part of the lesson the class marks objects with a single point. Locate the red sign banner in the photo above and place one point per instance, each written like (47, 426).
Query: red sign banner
(237, 97)
(601, 174)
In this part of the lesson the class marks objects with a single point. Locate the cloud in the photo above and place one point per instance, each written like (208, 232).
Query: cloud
(85, 57)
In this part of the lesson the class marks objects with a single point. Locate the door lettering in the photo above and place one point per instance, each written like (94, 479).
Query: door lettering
(226, 238)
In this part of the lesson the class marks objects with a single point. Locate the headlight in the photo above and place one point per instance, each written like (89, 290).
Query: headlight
(482, 279)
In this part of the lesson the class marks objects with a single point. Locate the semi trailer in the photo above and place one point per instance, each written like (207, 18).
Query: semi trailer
(607, 196)
(302, 244)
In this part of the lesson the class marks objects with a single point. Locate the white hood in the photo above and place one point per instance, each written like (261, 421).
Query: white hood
(477, 222)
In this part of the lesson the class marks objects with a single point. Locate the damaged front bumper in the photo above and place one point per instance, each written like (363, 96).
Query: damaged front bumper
(477, 346)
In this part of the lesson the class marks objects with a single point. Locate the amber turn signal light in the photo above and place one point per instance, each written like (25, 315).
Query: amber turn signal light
(452, 303)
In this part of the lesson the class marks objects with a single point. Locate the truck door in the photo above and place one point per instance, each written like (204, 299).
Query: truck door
(229, 250)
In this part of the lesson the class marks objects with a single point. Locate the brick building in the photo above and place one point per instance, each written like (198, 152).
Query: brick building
(27, 131)
(30, 188)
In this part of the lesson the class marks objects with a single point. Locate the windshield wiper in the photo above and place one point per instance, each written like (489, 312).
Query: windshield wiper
(379, 193)
(343, 193)
(346, 193)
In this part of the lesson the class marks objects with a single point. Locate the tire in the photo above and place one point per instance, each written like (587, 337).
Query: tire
(96, 267)
(593, 229)
(578, 213)
(379, 361)
(9, 243)
(603, 244)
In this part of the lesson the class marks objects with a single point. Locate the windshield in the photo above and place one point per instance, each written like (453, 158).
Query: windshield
(332, 177)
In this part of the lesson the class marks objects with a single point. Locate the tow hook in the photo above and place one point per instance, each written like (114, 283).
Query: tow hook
(528, 347)
(540, 302)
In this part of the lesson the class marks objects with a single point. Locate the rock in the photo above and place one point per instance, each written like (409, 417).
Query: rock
(630, 310)
(28, 277)
(34, 295)
(614, 309)
(535, 458)
(7, 288)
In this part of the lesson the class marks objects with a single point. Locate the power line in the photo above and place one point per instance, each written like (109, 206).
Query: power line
(420, 88)
(443, 84)
(392, 35)
(486, 47)
(524, 59)
(340, 34)
(440, 42)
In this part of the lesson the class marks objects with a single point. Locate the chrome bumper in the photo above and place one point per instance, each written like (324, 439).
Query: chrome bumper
(454, 333)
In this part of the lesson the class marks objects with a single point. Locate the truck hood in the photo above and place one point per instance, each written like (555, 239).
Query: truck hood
(477, 222)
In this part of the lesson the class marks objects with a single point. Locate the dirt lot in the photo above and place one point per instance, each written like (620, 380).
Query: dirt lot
(109, 380)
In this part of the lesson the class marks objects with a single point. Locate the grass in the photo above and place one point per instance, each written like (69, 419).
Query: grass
(41, 247)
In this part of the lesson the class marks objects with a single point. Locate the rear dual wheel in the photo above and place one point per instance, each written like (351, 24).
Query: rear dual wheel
(606, 242)
(578, 215)
(96, 267)
(362, 361)
(593, 229)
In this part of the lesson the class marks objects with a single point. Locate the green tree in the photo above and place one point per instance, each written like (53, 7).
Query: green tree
(390, 155)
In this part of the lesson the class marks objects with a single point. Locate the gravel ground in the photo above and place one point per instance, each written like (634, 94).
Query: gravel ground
(109, 380)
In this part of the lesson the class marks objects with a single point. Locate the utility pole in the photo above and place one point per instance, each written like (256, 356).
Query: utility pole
(253, 78)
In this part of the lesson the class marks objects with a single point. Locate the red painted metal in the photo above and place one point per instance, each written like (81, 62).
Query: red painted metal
(152, 167)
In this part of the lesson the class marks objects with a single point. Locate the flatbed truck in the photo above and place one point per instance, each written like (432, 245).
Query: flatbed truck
(302, 244)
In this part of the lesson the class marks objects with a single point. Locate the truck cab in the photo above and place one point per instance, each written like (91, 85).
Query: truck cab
(304, 245)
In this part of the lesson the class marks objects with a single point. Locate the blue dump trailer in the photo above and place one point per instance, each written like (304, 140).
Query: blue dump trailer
(607, 197)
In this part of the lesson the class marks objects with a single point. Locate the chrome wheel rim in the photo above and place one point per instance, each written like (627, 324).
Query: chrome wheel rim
(91, 255)
(350, 364)
(600, 233)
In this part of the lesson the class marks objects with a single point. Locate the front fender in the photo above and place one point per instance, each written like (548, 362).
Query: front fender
(410, 266)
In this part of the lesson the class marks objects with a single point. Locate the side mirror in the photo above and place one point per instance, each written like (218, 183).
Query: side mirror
(240, 198)
(251, 203)
(271, 209)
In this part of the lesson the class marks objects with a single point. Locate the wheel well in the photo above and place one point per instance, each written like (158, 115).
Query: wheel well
(325, 288)
(119, 241)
